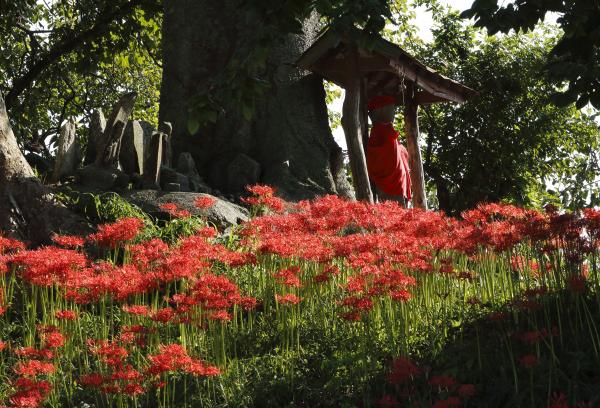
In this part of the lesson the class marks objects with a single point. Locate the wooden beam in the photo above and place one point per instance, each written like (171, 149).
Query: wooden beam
(404, 69)
(352, 129)
(366, 64)
(411, 128)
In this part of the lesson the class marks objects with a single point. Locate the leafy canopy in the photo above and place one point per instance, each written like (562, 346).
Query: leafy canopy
(509, 143)
(574, 60)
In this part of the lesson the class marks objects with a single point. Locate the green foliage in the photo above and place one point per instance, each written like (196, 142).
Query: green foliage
(63, 59)
(510, 142)
(574, 59)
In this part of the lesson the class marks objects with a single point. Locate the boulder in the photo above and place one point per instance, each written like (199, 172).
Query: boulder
(223, 214)
(241, 172)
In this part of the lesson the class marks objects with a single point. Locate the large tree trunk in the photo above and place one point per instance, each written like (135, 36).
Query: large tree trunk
(289, 136)
(28, 210)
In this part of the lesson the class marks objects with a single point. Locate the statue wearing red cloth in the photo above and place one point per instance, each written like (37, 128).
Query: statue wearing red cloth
(387, 159)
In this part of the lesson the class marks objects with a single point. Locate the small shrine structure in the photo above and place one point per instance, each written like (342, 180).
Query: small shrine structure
(367, 65)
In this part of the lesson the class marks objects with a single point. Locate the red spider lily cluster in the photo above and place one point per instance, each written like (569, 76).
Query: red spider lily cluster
(367, 261)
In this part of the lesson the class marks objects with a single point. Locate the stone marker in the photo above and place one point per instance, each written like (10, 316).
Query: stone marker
(241, 172)
(66, 153)
(153, 162)
(110, 143)
(167, 129)
(95, 132)
(131, 155)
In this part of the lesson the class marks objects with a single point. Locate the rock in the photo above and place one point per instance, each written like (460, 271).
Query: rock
(101, 178)
(223, 214)
(66, 153)
(172, 187)
(167, 129)
(110, 143)
(241, 172)
(96, 129)
(152, 165)
(170, 176)
(132, 154)
(186, 165)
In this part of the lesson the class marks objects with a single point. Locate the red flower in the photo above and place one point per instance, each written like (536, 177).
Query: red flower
(403, 370)
(204, 202)
(66, 315)
(2, 345)
(559, 401)
(174, 211)
(111, 235)
(54, 340)
(68, 241)
(33, 368)
(528, 361)
(466, 390)
(448, 402)
(290, 298)
(387, 401)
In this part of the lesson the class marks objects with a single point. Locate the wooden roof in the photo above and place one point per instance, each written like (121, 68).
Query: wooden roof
(386, 67)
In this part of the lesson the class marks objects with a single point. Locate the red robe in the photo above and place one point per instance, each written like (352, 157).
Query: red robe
(387, 161)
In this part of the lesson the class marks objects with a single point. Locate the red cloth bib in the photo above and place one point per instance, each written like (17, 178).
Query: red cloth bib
(387, 161)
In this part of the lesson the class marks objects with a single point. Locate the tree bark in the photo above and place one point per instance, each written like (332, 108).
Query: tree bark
(354, 138)
(28, 210)
(289, 136)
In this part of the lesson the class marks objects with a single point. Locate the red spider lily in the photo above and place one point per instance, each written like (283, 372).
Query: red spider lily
(30, 352)
(138, 310)
(3, 345)
(558, 401)
(220, 315)
(173, 357)
(33, 368)
(261, 190)
(448, 402)
(48, 266)
(289, 277)
(577, 284)
(528, 361)
(68, 241)
(403, 370)
(30, 393)
(53, 340)
(174, 211)
(205, 202)
(66, 315)
(387, 401)
(9, 244)
(288, 299)
(119, 232)
(94, 380)
(109, 353)
(466, 390)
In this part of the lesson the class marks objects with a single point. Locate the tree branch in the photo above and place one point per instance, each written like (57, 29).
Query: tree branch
(69, 44)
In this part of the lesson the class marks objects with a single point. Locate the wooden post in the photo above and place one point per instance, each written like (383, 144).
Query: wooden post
(364, 126)
(351, 123)
(411, 128)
